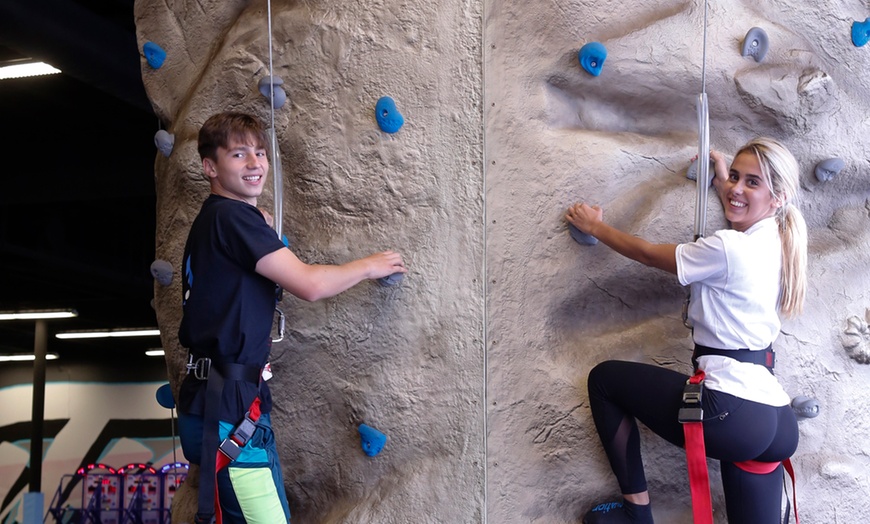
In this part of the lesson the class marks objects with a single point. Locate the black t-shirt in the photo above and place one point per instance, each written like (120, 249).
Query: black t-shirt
(228, 308)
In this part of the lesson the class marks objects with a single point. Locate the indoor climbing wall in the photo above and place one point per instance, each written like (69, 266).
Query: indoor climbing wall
(377, 392)
(620, 133)
(458, 133)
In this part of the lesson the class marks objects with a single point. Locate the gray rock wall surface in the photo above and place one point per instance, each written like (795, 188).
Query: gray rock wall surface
(406, 360)
(475, 366)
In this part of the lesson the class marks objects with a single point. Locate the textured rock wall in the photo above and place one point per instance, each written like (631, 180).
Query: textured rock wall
(556, 135)
(407, 360)
(410, 360)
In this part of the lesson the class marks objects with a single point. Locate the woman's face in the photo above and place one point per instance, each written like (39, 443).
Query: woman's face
(746, 195)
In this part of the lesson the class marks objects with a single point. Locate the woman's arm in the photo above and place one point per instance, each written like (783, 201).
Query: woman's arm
(590, 219)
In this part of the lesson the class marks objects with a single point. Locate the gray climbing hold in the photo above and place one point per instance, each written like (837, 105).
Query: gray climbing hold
(580, 237)
(828, 169)
(805, 407)
(372, 440)
(692, 171)
(860, 32)
(270, 86)
(162, 271)
(755, 44)
(391, 280)
(154, 54)
(165, 141)
(592, 56)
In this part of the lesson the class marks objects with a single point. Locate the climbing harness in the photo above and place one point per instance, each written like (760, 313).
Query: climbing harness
(216, 374)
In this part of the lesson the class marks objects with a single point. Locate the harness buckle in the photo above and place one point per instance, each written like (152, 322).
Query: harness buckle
(692, 410)
(232, 445)
(229, 448)
(200, 367)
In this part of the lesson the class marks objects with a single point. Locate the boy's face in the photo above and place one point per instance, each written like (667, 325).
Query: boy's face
(239, 171)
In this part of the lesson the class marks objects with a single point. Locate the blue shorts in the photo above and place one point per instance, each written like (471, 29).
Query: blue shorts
(251, 488)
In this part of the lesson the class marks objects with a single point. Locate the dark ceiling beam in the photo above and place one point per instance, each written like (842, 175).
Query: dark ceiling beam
(82, 44)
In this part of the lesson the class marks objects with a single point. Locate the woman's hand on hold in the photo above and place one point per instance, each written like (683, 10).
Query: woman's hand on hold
(584, 217)
(720, 168)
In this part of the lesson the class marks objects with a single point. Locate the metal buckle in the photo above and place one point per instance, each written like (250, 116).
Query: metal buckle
(229, 448)
(280, 326)
(200, 368)
(691, 410)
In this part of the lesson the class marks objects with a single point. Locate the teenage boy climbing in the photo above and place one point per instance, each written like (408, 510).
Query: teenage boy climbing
(234, 269)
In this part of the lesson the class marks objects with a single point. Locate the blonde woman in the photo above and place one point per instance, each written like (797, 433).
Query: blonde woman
(742, 279)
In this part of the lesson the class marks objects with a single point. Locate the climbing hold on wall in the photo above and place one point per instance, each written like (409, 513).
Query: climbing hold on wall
(692, 171)
(860, 32)
(391, 280)
(828, 169)
(154, 54)
(164, 396)
(592, 56)
(856, 338)
(755, 44)
(372, 440)
(161, 270)
(272, 85)
(580, 237)
(805, 407)
(389, 118)
(165, 141)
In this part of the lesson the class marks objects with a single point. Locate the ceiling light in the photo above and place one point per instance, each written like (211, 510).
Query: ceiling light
(25, 357)
(158, 352)
(110, 333)
(21, 69)
(38, 314)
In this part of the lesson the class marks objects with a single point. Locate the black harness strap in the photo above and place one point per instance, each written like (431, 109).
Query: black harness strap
(763, 357)
(217, 375)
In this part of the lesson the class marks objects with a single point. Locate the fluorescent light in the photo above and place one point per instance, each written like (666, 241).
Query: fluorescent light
(110, 333)
(155, 352)
(38, 314)
(27, 69)
(25, 358)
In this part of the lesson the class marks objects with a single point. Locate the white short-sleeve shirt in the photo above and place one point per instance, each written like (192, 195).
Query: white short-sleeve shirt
(735, 285)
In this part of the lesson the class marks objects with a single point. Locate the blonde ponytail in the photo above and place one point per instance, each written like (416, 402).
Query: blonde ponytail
(793, 280)
(780, 169)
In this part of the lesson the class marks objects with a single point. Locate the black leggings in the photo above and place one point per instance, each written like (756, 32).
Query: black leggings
(735, 430)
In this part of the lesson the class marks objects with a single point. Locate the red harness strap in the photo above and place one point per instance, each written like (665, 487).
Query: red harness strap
(692, 416)
(231, 447)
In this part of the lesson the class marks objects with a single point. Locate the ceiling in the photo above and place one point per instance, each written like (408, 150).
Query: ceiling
(77, 201)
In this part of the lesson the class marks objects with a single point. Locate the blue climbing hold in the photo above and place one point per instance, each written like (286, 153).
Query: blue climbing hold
(165, 141)
(826, 170)
(860, 32)
(164, 396)
(592, 56)
(580, 237)
(270, 87)
(388, 117)
(391, 280)
(372, 440)
(756, 44)
(154, 54)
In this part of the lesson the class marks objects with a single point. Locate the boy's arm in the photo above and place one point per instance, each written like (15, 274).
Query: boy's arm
(316, 281)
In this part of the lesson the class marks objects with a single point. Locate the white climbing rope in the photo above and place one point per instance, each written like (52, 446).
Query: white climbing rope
(277, 175)
(702, 181)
